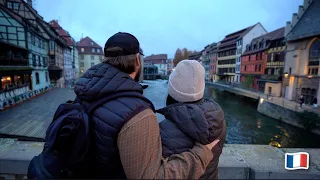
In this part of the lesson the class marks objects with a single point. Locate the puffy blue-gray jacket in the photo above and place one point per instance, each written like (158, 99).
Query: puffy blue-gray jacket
(187, 123)
(108, 119)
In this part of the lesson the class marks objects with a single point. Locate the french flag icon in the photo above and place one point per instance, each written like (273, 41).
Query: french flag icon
(295, 161)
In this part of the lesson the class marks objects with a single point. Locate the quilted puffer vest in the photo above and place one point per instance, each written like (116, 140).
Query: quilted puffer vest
(107, 120)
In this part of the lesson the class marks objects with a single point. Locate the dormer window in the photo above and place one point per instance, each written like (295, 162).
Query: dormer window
(9, 5)
(91, 43)
(13, 5)
(254, 47)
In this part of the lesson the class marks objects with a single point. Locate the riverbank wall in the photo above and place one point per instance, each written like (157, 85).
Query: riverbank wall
(236, 162)
(269, 106)
(282, 114)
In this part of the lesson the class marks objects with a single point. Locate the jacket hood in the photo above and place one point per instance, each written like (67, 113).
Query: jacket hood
(202, 121)
(103, 79)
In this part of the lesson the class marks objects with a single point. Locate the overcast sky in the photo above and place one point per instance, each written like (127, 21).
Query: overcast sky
(162, 26)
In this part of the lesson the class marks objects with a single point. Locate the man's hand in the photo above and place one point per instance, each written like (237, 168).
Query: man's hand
(211, 145)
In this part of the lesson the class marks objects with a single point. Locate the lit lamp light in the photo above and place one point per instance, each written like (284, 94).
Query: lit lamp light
(261, 100)
(309, 77)
(8, 78)
(286, 75)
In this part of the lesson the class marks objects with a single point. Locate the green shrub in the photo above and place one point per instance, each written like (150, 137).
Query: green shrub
(309, 120)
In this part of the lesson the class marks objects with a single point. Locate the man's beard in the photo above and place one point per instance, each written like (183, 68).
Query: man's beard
(137, 78)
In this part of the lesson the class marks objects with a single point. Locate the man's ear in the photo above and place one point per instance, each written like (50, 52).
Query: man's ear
(138, 60)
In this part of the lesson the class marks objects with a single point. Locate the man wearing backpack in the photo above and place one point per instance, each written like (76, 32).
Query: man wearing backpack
(125, 136)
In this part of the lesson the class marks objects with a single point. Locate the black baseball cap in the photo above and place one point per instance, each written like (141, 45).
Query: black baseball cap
(126, 41)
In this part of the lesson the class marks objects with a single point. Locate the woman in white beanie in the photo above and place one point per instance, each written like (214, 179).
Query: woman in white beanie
(189, 117)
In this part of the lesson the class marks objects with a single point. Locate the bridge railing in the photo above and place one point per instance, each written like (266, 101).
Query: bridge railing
(237, 161)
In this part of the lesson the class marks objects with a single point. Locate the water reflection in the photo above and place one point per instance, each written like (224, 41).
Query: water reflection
(246, 126)
(259, 123)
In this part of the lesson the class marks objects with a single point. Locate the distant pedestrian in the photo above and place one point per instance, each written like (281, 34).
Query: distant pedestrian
(301, 100)
(315, 103)
(190, 117)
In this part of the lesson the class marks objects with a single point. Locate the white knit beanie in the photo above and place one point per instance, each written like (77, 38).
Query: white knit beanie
(186, 82)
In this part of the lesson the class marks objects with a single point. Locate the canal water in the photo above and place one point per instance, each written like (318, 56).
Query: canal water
(245, 125)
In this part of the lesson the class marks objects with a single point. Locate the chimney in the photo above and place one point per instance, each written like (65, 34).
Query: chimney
(287, 28)
(29, 2)
(294, 19)
(300, 12)
(306, 3)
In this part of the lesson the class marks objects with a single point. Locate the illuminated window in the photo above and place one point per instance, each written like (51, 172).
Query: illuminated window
(17, 80)
(6, 81)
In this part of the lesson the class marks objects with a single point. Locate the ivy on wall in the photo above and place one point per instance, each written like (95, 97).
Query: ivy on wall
(249, 81)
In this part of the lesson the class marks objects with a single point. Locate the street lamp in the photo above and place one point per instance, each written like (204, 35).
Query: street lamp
(286, 75)
(309, 77)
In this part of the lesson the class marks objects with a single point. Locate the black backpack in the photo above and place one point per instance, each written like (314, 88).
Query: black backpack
(67, 142)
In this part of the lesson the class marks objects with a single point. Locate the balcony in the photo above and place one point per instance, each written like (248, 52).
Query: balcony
(13, 62)
(275, 64)
(227, 57)
(267, 77)
(13, 55)
(226, 71)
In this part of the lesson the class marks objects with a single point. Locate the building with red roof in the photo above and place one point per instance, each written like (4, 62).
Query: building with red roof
(263, 60)
(72, 68)
(230, 50)
(90, 53)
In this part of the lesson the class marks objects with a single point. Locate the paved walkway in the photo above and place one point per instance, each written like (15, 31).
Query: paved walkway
(31, 118)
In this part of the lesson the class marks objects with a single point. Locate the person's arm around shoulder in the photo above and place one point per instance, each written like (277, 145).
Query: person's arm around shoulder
(140, 150)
